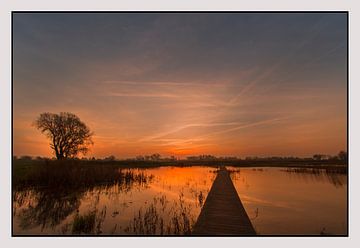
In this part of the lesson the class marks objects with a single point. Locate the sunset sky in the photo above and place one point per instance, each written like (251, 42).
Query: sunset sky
(184, 84)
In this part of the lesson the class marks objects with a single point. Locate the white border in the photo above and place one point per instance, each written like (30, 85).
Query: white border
(6, 6)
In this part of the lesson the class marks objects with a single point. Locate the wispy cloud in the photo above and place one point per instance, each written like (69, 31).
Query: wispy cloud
(159, 83)
(159, 138)
(169, 80)
(239, 127)
(254, 124)
(179, 141)
(180, 128)
(147, 95)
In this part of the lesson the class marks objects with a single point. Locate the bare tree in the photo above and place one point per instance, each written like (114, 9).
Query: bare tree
(68, 135)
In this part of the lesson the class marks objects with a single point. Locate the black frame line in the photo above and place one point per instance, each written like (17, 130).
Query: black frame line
(175, 12)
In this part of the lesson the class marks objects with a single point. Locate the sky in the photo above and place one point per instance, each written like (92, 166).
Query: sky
(231, 84)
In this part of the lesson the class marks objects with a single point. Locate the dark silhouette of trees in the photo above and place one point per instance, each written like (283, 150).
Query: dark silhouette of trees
(68, 135)
(343, 155)
(155, 157)
(110, 158)
(319, 157)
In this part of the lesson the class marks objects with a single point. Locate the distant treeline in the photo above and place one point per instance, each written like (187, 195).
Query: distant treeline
(156, 158)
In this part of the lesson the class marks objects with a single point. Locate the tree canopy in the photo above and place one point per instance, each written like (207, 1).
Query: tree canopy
(68, 135)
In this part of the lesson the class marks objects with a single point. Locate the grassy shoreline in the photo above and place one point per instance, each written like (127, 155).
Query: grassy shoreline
(159, 163)
(80, 172)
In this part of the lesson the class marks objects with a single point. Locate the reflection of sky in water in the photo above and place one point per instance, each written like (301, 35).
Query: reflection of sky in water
(167, 190)
(280, 201)
(277, 202)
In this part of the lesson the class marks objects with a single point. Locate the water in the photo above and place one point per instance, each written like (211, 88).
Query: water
(284, 202)
(277, 200)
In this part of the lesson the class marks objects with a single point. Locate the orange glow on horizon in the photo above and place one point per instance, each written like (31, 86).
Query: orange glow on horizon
(277, 91)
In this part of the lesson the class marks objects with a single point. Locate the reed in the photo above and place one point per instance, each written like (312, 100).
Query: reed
(73, 175)
(157, 219)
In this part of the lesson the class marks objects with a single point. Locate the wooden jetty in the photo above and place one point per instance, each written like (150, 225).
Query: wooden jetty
(223, 212)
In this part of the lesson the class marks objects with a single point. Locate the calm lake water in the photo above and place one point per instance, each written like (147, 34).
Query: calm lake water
(277, 200)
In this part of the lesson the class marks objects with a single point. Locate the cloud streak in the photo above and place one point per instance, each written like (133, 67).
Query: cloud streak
(145, 95)
(183, 127)
(169, 83)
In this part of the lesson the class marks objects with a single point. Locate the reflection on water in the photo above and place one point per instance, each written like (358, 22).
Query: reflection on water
(161, 201)
(336, 177)
(39, 209)
(168, 200)
(293, 201)
(44, 208)
(159, 219)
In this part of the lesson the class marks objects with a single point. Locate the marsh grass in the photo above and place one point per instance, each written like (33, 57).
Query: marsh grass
(159, 219)
(44, 208)
(84, 223)
(49, 196)
(335, 175)
(327, 170)
(64, 175)
(46, 196)
(89, 223)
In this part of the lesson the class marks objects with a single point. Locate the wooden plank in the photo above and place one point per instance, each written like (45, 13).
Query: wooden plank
(223, 212)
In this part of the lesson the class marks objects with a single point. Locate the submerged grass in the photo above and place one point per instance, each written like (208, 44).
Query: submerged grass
(46, 194)
(84, 223)
(158, 219)
(335, 175)
(89, 223)
(328, 170)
